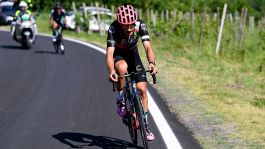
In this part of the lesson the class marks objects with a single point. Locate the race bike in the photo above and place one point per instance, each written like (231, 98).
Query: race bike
(134, 118)
(24, 30)
(58, 42)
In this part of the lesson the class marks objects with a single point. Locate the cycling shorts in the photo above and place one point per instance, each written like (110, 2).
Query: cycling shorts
(134, 64)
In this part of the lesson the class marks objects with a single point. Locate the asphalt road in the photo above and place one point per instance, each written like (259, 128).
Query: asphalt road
(50, 101)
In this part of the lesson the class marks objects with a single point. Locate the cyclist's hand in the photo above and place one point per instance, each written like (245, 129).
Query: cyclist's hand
(113, 77)
(54, 25)
(152, 68)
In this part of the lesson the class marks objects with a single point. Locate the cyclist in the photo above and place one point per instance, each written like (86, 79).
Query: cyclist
(57, 20)
(122, 56)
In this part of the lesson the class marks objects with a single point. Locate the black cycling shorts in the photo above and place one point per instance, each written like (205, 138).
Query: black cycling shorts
(134, 65)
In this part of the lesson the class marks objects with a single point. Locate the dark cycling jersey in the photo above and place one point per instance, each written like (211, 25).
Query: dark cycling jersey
(117, 38)
(59, 19)
(126, 47)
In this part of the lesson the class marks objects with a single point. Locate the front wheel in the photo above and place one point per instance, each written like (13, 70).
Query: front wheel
(140, 118)
(131, 121)
(61, 47)
(26, 43)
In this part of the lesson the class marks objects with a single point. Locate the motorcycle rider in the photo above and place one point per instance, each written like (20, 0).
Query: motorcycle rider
(57, 20)
(22, 10)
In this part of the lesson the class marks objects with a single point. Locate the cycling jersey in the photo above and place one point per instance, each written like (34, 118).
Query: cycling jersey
(117, 38)
(126, 47)
(59, 19)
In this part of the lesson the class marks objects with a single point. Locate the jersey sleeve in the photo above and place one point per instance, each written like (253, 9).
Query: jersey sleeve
(143, 32)
(111, 36)
(63, 14)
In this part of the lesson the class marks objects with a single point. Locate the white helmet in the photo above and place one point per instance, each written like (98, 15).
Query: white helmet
(23, 4)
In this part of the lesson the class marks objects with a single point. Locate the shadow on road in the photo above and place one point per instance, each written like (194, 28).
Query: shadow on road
(45, 52)
(12, 47)
(80, 140)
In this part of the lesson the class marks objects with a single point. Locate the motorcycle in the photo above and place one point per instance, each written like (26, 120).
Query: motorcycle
(24, 30)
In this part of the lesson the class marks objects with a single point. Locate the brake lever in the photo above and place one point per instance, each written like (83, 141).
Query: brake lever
(114, 86)
(154, 78)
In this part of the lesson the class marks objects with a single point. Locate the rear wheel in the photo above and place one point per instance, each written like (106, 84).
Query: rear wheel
(140, 118)
(61, 46)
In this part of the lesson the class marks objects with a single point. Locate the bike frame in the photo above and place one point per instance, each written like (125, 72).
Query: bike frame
(131, 86)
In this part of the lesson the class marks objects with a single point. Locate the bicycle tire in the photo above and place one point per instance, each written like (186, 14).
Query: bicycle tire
(56, 47)
(62, 51)
(140, 118)
(131, 122)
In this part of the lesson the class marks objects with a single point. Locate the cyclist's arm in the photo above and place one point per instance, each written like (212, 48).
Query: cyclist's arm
(110, 52)
(110, 64)
(51, 20)
(143, 31)
(149, 51)
(65, 21)
(109, 59)
(53, 23)
(150, 56)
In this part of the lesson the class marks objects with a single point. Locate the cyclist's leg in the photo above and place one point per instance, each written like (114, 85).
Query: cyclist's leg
(121, 69)
(53, 35)
(137, 66)
(54, 27)
(141, 86)
(62, 33)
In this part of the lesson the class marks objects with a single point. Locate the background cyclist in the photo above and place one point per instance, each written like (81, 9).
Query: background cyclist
(122, 56)
(57, 19)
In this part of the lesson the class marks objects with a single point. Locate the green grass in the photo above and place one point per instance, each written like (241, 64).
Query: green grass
(221, 99)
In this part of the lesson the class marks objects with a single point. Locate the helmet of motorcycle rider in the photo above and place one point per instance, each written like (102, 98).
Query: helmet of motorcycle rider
(23, 4)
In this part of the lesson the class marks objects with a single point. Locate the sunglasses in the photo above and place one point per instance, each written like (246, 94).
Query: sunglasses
(128, 27)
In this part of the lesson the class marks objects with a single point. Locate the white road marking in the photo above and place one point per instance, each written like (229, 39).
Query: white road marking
(167, 134)
(169, 137)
